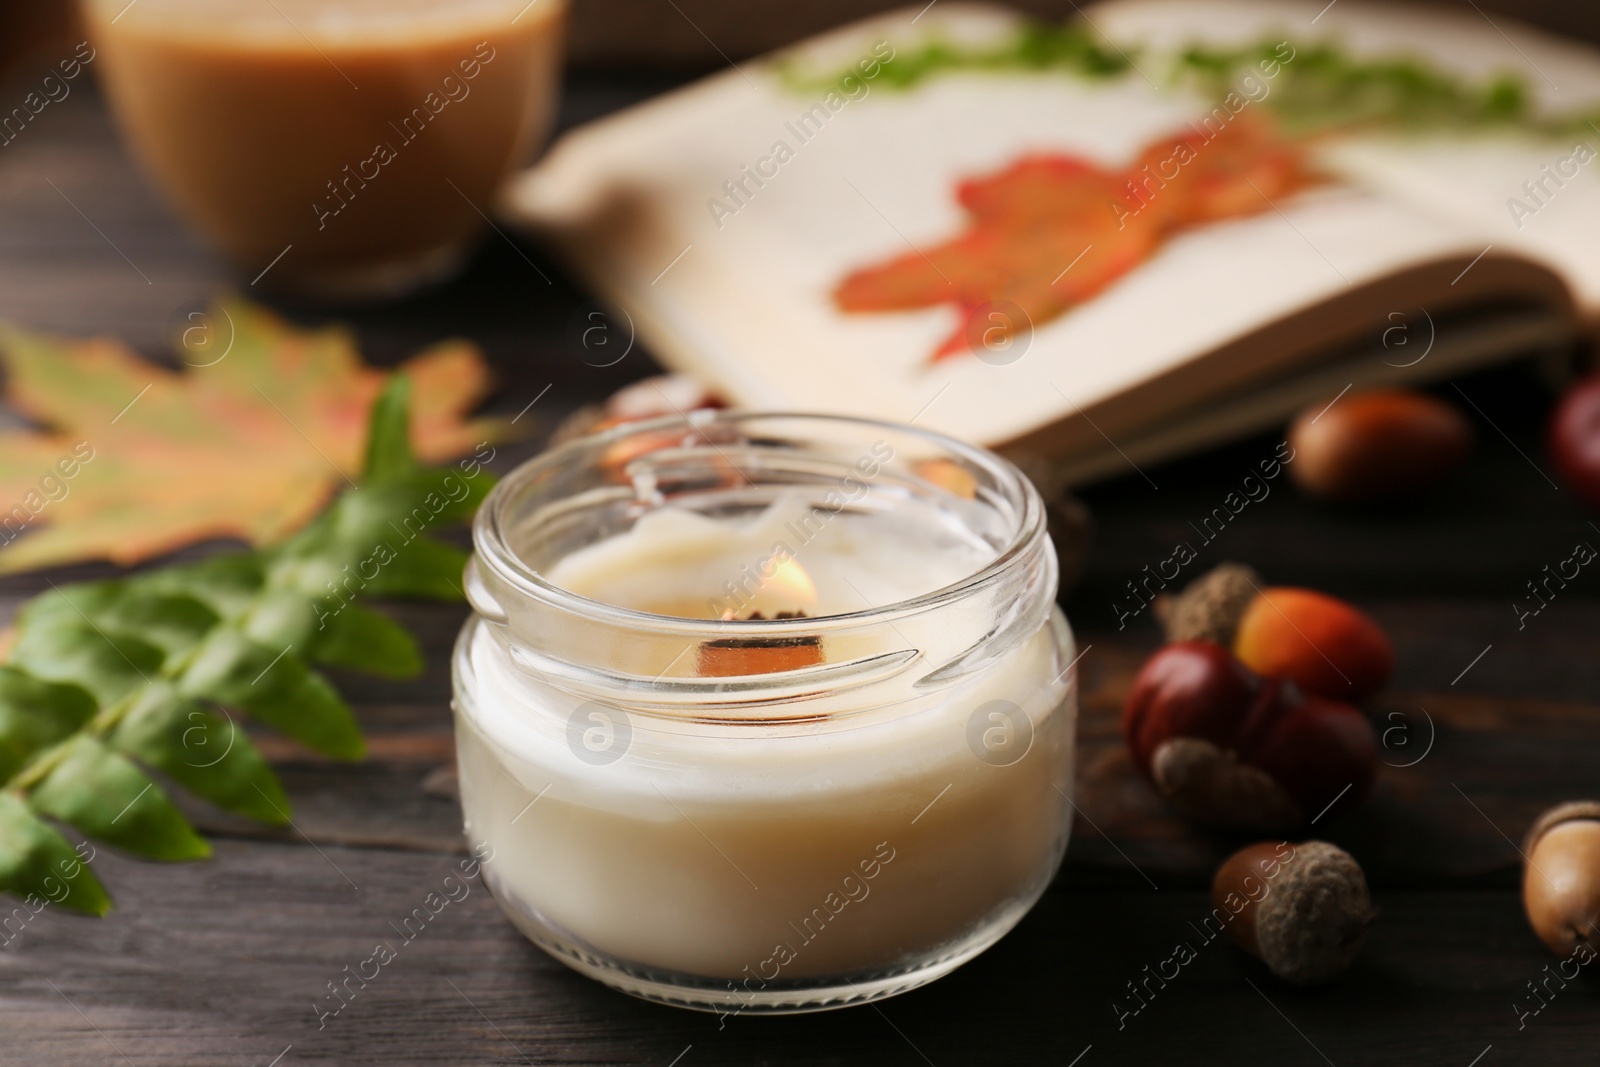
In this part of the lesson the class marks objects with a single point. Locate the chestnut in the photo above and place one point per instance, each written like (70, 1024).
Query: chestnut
(1229, 748)
(1377, 445)
(1574, 439)
(1561, 879)
(1300, 909)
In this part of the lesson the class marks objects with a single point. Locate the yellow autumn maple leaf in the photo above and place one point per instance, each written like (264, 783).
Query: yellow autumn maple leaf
(132, 460)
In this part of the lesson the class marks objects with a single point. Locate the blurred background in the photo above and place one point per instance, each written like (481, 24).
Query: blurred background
(676, 35)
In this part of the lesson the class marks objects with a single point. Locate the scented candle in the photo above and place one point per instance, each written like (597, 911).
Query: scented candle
(765, 713)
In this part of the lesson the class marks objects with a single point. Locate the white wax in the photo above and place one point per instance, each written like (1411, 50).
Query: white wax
(680, 562)
(742, 851)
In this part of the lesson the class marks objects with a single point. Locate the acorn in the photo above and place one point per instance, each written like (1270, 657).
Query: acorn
(1210, 607)
(1328, 647)
(1377, 445)
(1300, 909)
(1561, 879)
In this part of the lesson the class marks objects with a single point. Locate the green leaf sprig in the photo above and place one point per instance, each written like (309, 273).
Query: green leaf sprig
(109, 680)
(1037, 46)
(1325, 87)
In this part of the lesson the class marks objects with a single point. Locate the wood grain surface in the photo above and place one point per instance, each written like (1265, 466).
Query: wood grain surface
(224, 962)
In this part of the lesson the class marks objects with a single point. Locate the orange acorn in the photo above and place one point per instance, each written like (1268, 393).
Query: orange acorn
(1325, 646)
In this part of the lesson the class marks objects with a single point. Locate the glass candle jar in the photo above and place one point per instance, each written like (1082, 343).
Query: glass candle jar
(765, 712)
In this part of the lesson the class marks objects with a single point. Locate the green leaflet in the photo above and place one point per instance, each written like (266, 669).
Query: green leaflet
(110, 799)
(35, 714)
(64, 648)
(367, 641)
(424, 569)
(108, 678)
(169, 620)
(208, 754)
(36, 863)
(389, 434)
(1071, 47)
(227, 582)
(275, 687)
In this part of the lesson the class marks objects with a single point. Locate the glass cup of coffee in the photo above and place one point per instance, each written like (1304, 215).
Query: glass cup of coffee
(342, 149)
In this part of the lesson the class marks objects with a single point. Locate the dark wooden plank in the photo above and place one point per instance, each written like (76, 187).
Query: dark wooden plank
(223, 964)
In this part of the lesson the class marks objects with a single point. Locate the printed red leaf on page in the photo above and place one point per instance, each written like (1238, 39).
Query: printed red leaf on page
(1051, 231)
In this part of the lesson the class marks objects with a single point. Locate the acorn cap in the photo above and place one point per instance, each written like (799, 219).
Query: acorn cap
(1570, 811)
(1210, 608)
(1208, 784)
(1309, 927)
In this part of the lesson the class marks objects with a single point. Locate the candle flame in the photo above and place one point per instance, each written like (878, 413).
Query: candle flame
(790, 581)
(785, 593)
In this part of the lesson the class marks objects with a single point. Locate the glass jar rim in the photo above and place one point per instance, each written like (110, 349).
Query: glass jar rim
(493, 549)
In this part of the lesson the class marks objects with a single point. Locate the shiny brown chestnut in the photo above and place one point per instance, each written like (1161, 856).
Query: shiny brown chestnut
(1574, 439)
(1229, 748)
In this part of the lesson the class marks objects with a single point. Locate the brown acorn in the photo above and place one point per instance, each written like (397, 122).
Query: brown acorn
(1378, 445)
(1561, 880)
(1301, 909)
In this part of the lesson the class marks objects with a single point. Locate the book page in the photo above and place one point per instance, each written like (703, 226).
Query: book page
(1536, 195)
(724, 218)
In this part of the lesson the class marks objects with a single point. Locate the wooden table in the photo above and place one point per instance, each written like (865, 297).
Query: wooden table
(222, 962)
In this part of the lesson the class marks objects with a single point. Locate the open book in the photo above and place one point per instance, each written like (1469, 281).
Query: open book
(1110, 242)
